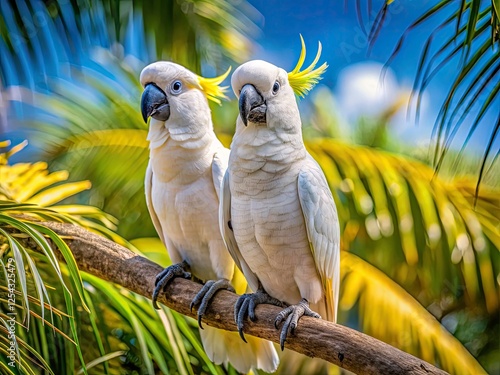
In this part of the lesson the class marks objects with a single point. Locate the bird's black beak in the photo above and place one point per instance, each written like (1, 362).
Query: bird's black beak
(252, 106)
(154, 103)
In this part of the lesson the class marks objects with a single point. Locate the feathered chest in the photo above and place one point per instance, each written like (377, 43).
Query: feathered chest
(264, 154)
(177, 165)
(262, 176)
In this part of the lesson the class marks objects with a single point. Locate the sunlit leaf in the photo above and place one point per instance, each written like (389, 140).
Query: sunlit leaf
(407, 325)
(477, 53)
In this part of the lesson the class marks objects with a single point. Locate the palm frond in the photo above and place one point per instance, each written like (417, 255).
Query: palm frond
(422, 232)
(396, 201)
(103, 360)
(174, 323)
(474, 41)
(91, 130)
(32, 184)
(170, 339)
(41, 37)
(36, 233)
(407, 325)
(9, 209)
(165, 340)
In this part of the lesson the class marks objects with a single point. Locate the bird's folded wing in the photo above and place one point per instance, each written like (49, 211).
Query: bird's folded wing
(320, 215)
(228, 235)
(149, 201)
(219, 167)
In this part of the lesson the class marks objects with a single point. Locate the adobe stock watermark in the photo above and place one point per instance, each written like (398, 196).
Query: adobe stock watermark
(11, 313)
(360, 40)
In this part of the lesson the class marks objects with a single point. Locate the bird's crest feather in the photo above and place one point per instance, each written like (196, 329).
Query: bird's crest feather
(303, 81)
(211, 87)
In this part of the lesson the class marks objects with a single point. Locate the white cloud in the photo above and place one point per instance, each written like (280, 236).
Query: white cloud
(364, 89)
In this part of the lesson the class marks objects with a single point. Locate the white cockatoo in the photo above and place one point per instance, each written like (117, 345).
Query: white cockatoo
(277, 214)
(186, 166)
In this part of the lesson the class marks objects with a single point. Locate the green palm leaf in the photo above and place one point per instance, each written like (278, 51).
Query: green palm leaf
(472, 22)
(39, 35)
(166, 340)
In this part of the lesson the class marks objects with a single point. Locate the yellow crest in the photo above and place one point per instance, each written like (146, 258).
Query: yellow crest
(303, 81)
(211, 88)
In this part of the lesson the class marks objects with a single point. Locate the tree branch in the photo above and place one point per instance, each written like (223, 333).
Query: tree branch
(334, 343)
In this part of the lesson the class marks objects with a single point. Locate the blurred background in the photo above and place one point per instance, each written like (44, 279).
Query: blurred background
(404, 123)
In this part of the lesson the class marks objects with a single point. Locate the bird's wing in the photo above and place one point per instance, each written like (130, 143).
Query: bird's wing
(219, 167)
(228, 235)
(148, 186)
(321, 218)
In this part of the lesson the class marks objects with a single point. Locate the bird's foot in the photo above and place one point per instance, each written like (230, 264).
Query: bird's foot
(291, 315)
(206, 293)
(165, 276)
(245, 305)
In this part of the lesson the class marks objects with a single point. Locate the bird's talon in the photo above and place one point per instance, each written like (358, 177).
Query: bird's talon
(164, 278)
(206, 294)
(246, 304)
(292, 315)
(242, 335)
(282, 339)
(251, 310)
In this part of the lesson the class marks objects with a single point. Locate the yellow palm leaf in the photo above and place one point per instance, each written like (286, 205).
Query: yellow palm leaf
(389, 313)
(56, 194)
(431, 224)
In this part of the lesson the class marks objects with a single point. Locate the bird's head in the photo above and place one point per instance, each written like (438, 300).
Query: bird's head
(173, 94)
(267, 93)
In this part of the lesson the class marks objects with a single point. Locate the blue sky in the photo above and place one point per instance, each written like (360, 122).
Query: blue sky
(345, 45)
(352, 71)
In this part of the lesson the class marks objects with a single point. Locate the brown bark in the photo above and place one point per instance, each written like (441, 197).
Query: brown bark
(334, 343)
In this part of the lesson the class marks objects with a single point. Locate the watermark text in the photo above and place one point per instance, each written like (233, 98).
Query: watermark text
(11, 307)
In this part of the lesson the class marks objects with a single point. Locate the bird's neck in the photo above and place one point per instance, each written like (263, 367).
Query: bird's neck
(258, 148)
(181, 154)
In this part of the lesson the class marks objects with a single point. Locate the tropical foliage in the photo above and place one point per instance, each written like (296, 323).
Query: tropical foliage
(419, 254)
(200, 33)
(67, 320)
(473, 27)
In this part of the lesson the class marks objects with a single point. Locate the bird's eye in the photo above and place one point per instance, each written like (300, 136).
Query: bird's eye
(176, 87)
(276, 87)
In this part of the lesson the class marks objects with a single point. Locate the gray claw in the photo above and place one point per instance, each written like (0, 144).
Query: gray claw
(199, 296)
(246, 304)
(291, 315)
(241, 315)
(166, 276)
(206, 294)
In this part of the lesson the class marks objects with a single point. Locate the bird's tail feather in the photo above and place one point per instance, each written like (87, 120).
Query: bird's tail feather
(328, 304)
(224, 346)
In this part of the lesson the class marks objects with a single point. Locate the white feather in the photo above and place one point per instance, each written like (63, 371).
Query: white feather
(183, 185)
(285, 226)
